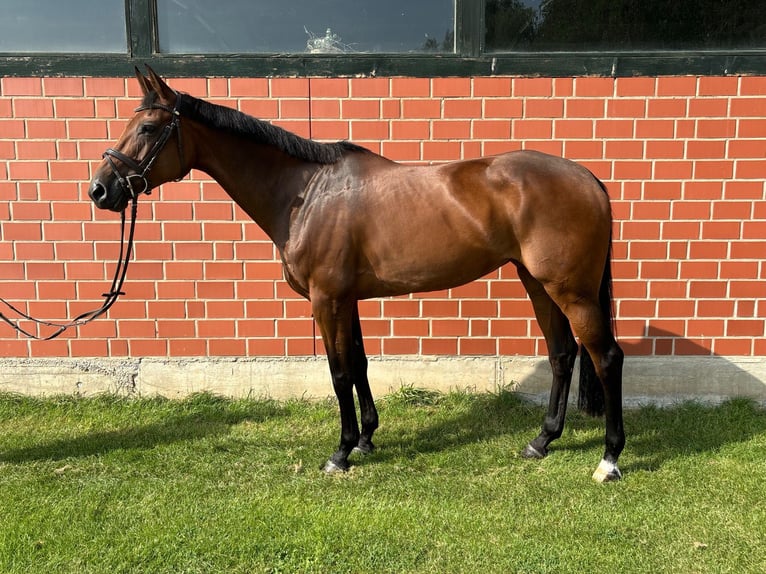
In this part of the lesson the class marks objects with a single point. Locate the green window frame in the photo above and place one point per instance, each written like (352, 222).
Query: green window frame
(469, 59)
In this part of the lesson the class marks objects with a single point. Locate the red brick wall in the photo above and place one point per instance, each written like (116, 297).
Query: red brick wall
(684, 159)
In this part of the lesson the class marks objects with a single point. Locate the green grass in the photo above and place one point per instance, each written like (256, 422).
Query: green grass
(233, 486)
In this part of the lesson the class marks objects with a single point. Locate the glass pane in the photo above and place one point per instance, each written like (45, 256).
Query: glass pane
(518, 25)
(63, 26)
(305, 26)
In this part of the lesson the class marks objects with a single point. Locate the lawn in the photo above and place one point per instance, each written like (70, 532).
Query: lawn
(209, 484)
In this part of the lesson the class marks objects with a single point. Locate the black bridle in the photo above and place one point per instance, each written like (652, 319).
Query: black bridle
(140, 171)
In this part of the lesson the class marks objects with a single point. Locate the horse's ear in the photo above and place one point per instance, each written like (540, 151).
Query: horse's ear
(164, 91)
(143, 81)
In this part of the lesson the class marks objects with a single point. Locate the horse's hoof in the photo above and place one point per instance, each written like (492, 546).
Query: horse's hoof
(331, 467)
(607, 472)
(531, 452)
(363, 449)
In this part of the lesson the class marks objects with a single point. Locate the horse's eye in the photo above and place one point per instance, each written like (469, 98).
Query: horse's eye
(147, 129)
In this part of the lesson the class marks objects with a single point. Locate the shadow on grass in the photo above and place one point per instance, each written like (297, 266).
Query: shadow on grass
(655, 435)
(195, 418)
(415, 421)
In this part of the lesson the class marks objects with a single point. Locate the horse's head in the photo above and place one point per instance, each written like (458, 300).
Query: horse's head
(149, 152)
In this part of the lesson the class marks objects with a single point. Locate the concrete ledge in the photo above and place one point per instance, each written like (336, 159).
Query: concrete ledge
(655, 380)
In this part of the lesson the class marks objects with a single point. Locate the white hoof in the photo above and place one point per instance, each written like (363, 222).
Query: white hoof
(607, 472)
(331, 468)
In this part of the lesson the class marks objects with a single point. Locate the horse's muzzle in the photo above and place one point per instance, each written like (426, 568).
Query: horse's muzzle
(104, 198)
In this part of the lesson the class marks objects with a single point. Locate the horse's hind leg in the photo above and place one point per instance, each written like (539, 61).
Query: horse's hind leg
(368, 412)
(595, 333)
(562, 351)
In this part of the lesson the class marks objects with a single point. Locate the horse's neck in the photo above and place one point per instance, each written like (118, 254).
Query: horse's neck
(262, 180)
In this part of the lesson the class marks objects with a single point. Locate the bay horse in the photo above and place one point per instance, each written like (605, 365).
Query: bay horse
(350, 225)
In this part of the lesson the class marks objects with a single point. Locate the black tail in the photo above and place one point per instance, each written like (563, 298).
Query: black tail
(591, 396)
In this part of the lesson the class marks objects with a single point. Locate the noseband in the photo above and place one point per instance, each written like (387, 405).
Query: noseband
(141, 169)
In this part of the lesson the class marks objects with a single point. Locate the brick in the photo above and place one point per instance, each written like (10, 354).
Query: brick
(12, 129)
(719, 170)
(374, 130)
(451, 130)
(614, 128)
(626, 87)
(710, 108)
(709, 149)
(453, 109)
(47, 129)
(563, 87)
(721, 229)
(544, 108)
(78, 108)
(370, 88)
(421, 109)
(626, 170)
(443, 151)
(677, 86)
(289, 87)
(532, 129)
(325, 109)
(369, 109)
(477, 346)
(63, 86)
(748, 107)
(673, 170)
(753, 85)
(33, 108)
(566, 129)
(401, 150)
(666, 108)
(742, 190)
(661, 149)
(589, 87)
(330, 130)
(293, 109)
(747, 148)
(750, 169)
(585, 108)
(35, 150)
(451, 87)
(503, 108)
(410, 87)
(626, 108)
(532, 87)
(490, 87)
(21, 86)
(87, 129)
(705, 328)
(716, 129)
(28, 170)
(265, 109)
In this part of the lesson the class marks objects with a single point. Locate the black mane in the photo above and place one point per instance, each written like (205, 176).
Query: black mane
(259, 131)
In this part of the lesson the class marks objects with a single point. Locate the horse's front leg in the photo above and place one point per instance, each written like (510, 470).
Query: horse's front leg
(334, 318)
(368, 412)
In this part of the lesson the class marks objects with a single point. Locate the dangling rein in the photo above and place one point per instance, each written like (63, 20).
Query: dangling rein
(110, 298)
(141, 171)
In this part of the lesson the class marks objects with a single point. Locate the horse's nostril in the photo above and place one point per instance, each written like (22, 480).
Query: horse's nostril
(97, 193)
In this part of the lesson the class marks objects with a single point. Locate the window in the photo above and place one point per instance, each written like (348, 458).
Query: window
(384, 37)
(56, 26)
(305, 26)
(624, 25)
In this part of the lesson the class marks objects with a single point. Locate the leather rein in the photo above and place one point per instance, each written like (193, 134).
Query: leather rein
(140, 173)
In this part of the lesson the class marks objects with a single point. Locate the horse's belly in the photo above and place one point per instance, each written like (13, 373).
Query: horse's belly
(428, 265)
